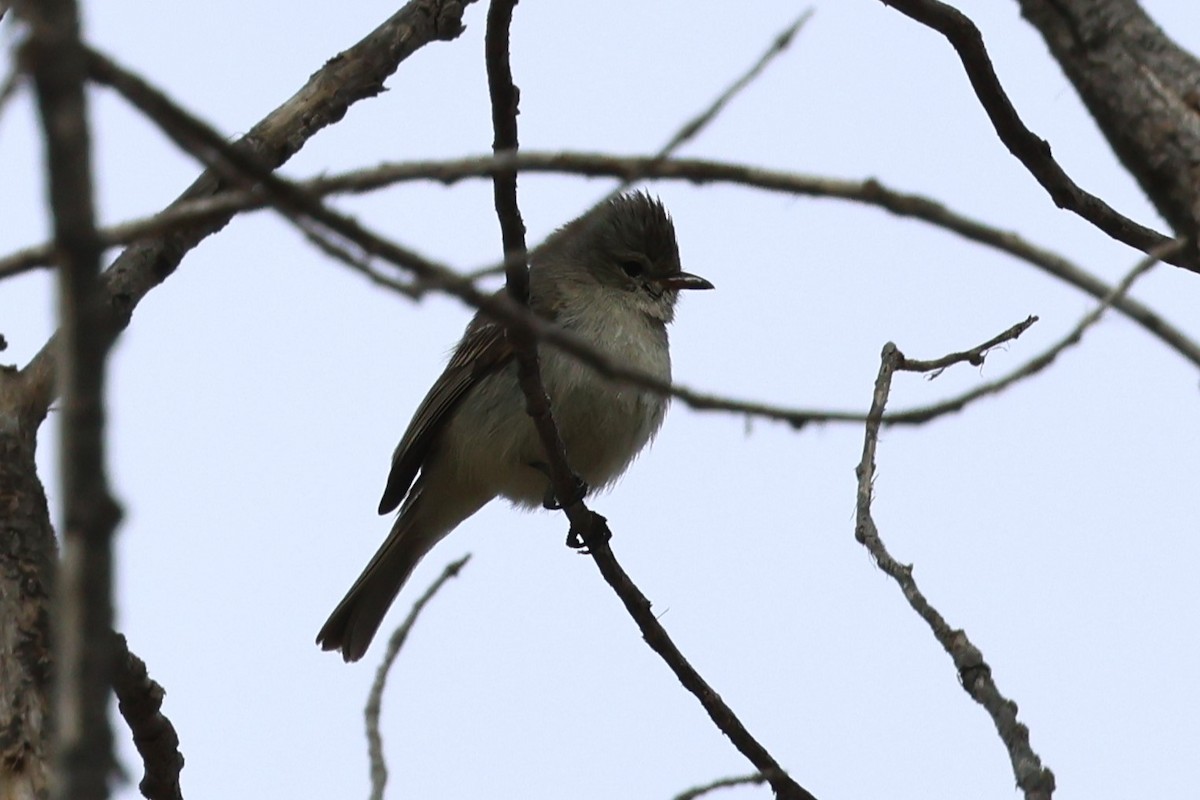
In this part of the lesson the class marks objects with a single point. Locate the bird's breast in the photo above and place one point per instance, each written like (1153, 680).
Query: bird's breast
(605, 423)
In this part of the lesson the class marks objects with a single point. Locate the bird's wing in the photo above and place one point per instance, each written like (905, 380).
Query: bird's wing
(483, 350)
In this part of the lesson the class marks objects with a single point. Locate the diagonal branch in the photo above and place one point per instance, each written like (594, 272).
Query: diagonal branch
(1140, 88)
(692, 128)
(1036, 781)
(352, 75)
(696, 125)
(1029, 148)
(587, 527)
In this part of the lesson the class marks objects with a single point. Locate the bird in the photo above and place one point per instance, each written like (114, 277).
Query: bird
(611, 276)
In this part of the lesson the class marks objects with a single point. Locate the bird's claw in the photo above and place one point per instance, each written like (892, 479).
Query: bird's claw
(595, 532)
(550, 500)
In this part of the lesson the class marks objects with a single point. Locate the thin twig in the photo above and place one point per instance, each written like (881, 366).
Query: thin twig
(371, 713)
(870, 192)
(974, 673)
(1029, 148)
(1038, 363)
(753, 779)
(696, 125)
(975, 356)
(587, 527)
(139, 700)
(692, 128)
(358, 263)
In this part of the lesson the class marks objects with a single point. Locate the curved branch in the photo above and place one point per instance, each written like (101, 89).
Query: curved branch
(139, 700)
(753, 779)
(371, 713)
(1029, 148)
(869, 192)
(974, 672)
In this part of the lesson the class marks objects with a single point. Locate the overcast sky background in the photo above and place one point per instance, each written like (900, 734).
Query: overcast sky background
(257, 396)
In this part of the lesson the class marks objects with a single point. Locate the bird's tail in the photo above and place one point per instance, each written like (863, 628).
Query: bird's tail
(353, 624)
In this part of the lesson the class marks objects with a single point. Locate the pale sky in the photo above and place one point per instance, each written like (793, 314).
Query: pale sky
(257, 396)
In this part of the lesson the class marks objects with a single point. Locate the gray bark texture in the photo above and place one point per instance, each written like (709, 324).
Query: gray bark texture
(1141, 88)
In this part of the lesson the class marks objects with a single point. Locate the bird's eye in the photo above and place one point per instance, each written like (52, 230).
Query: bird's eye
(632, 267)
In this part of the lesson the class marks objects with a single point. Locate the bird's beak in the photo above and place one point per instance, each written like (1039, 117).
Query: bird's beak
(684, 280)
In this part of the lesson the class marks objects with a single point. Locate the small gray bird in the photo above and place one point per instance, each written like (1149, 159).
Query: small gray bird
(611, 276)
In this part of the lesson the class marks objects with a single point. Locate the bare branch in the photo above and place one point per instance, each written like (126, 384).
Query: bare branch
(504, 100)
(1029, 148)
(300, 206)
(870, 192)
(353, 75)
(28, 565)
(588, 528)
(1038, 363)
(379, 773)
(305, 210)
(975, 356)
(354, 261)
(660, 642)
(696, 125)
(82, 621)
(692, 128)
(1036, 781)
(1140, 88)
(753, 779)
(139, 699)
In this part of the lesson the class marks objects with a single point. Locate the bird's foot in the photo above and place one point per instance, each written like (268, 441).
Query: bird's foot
(594, 531)
(550, 500)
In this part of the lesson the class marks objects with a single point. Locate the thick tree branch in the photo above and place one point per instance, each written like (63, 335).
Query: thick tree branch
(139, 699)
(1035, 780)
(350, 76)
(1029, 148)
(28, 555)
(1142, 89)
(82, 621)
